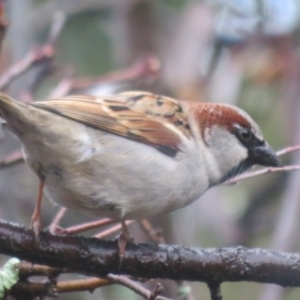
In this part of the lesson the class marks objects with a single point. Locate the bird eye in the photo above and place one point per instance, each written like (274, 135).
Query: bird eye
(245, 134)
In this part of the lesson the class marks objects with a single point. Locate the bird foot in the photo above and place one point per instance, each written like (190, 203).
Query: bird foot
(36, 216)
(57, 230)
(122, 240)
(36, 225)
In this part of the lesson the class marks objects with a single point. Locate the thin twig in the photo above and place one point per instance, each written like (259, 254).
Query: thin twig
(36, 55)
(57, 25)
(153, 234)
(89, 284)
(134, 286)
(33, 289)
(64, 87)
(88, 226)
(13, 158)
(158, 290)
(262, 171)
(111, 230)
(27, 269)
(288, 150)
(145, 67)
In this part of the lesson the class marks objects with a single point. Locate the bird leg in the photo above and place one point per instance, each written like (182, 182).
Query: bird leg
(36, 216)
(123, 239)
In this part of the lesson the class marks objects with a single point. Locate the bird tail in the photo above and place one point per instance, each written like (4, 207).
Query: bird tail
(8, 104)
(12, 111)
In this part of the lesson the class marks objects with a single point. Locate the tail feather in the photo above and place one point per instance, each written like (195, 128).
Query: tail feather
(7, 103)
(5, 98)
(13, 112)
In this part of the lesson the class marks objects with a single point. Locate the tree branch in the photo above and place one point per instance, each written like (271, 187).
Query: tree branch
(215, 291)
(96, 257)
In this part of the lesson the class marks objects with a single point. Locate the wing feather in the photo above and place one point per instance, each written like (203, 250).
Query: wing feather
(151, 119)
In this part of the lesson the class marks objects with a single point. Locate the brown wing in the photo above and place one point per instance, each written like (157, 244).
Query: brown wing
(151, 119)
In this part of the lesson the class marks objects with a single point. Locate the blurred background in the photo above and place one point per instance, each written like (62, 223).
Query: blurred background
(244, 52)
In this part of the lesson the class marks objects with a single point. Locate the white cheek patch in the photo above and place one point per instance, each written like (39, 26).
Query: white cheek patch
(225, 152)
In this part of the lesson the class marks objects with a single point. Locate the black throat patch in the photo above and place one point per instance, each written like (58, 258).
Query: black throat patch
(242, 167)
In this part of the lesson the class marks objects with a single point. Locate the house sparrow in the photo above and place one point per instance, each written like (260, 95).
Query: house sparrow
(133, 154)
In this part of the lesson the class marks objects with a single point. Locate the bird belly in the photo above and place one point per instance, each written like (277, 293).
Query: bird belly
(109, 176)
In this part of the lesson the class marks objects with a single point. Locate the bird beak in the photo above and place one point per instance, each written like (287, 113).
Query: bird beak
(264, 155)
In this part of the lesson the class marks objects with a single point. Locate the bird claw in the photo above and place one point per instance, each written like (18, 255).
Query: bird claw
(122, 241)
(36, 226)
(57, 230)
